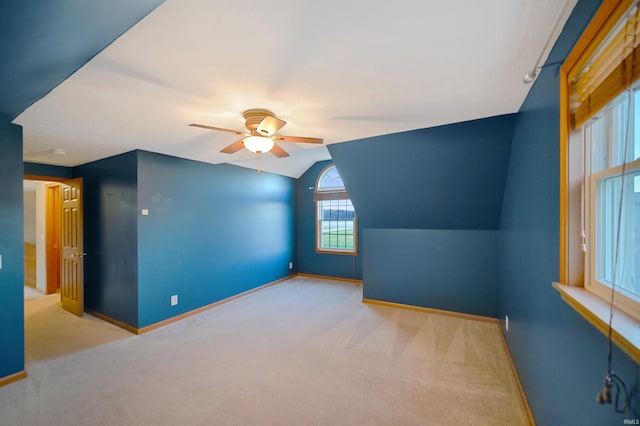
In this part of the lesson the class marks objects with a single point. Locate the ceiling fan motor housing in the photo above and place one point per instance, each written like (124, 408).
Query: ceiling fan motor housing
(253, 117)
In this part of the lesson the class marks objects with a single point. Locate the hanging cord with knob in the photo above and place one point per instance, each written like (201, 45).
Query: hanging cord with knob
(611, 380)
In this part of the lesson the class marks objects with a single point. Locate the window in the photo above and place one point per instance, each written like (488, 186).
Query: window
(336, 222)
(612, 200)
(600, 167)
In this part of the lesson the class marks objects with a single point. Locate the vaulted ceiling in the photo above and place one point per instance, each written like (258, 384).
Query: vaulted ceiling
(338, 70)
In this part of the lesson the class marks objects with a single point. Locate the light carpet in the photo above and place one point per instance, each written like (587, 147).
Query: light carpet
(302, 352)
(32, 293)
(50, 331)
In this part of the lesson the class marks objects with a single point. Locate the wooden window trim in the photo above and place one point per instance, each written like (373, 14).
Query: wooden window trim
(625, 330)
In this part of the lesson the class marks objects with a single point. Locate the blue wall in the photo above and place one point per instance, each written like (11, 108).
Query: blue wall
(110, 237)
(213, 231)
(446, 177)
(442, 269)
(308, 261)
(12, 251)
(429, 202)
(47, 170)
(561, 359)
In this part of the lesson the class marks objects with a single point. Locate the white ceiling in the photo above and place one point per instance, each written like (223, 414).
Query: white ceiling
(338, 70)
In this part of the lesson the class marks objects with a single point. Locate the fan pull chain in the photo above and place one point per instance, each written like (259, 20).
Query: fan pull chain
(258, 161)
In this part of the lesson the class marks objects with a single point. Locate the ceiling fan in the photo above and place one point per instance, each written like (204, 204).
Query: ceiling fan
(262, 125)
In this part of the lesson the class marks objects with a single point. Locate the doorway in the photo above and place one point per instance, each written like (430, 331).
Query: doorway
(41, 237)
(54, 255)
(51, 207)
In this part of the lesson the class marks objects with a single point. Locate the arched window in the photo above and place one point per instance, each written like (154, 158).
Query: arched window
(336, 222)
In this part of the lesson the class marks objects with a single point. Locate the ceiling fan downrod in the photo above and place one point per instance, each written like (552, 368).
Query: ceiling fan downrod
(258, 153)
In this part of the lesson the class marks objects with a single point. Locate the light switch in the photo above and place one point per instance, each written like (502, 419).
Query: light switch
(144, 212)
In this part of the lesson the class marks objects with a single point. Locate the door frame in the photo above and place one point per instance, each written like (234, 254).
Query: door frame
(57, 181)
(52, 218)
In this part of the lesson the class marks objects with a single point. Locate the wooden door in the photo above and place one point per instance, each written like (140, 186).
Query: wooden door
(72, 264)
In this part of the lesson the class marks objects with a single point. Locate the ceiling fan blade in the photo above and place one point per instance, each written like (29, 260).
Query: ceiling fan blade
(296, 139)
(234, 147)
(237, 132)
(269, 125)
(278, 152)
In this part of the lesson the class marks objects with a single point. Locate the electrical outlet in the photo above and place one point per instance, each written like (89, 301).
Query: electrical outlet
(506, 322)
(174, 300)
(290, 265)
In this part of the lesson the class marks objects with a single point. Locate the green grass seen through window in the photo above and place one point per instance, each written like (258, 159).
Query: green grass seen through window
(337, 241)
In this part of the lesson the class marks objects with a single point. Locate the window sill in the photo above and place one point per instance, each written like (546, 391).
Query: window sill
(347, 253)
(625, 331)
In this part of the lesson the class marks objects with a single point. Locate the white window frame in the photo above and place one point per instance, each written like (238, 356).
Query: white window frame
(593, 206)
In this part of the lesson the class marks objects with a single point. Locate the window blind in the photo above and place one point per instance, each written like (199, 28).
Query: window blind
(320, 195)
(611, 67)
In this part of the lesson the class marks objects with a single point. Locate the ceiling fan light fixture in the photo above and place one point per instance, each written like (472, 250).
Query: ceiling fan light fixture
(258, 144)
